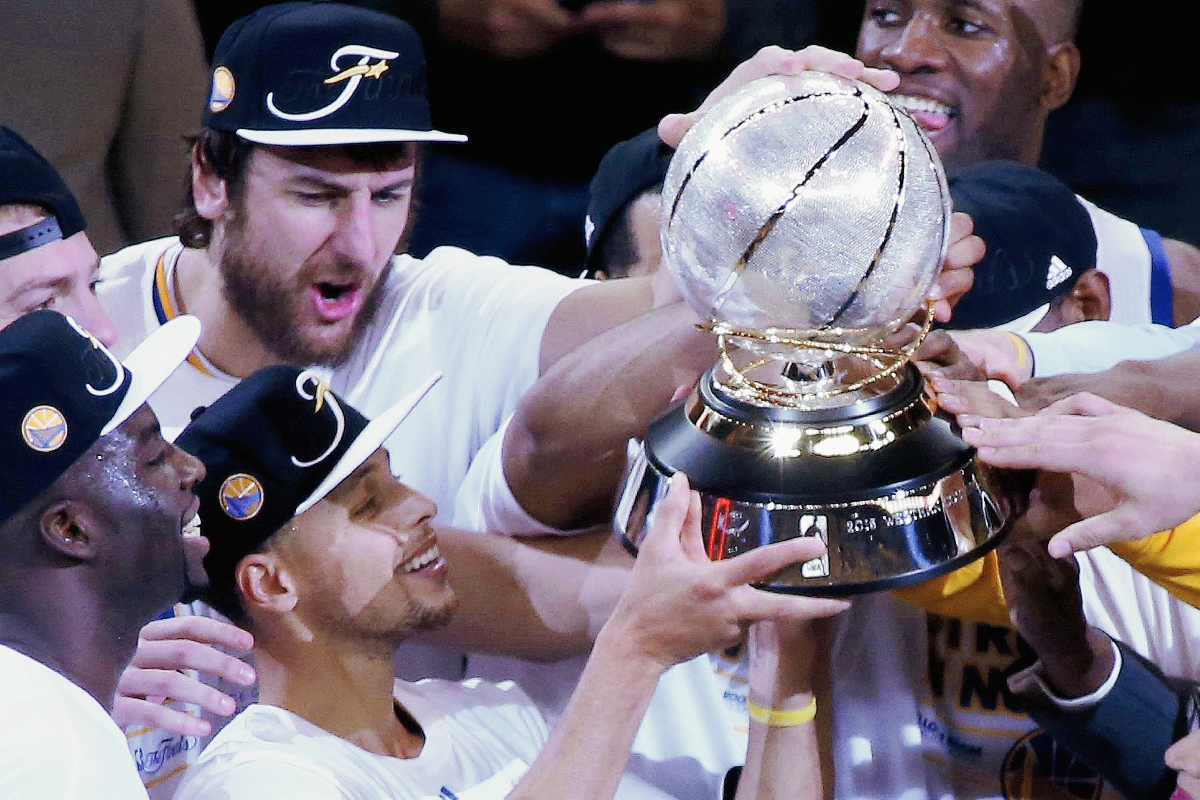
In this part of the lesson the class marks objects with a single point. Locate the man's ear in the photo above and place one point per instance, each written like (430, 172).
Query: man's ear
(1062, 71)
(209, 192)
(68, 527)
(1089, 299)
(265, 583)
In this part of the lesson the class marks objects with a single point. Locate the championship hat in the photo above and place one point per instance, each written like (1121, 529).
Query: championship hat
(628, 169)
(1039, 241)
(64, 390)
(273, 447)
(26, 177)
(319, 73)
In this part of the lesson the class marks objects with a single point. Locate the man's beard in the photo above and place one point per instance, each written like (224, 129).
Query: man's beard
(268, 305)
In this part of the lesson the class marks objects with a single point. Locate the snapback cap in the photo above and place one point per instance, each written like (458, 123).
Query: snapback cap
(274, 446)
(627, 170)
(1039, 240)
(27, 177)
(320, 73)
(64, 390)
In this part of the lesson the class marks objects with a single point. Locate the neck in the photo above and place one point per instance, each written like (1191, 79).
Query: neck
(344, 688)
(70, 629)
(227, 342)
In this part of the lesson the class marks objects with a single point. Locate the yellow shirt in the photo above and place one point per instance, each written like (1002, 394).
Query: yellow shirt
(1170, 558)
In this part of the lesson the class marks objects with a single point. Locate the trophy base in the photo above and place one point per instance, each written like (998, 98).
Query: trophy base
(894, 493)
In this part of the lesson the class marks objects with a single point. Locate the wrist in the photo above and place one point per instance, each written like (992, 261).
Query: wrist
(623, 644)
(1069, 678)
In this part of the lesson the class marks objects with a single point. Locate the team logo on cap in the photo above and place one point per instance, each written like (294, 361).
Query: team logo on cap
(241, 496)
(44, 429)
(223, 88)
(321, 396)
(352, 76)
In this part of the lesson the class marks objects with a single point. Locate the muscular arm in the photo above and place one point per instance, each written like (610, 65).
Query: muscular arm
(1185, 279)
(1163, 389)
(565, 448)
(538, 600)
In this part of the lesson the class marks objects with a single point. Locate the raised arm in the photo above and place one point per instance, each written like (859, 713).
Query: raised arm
(678, 605)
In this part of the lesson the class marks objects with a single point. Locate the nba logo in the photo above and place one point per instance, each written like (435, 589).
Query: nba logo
(815, 525)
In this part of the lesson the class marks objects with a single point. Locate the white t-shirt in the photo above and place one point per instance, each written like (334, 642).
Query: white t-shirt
(480, 739)
(56, 741)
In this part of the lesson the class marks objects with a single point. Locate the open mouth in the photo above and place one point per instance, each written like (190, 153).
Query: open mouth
(931, 115)
(422, 560)
(336, 300)
(191, 529)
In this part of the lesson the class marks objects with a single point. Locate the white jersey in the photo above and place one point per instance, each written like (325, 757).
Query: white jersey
(477, 320)
(56, 741)
(480, 739)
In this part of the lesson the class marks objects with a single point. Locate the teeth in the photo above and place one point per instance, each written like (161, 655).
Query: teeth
(192, 529)
(910, 104)
(416, 562)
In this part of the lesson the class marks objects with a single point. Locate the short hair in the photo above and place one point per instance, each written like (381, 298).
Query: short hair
(32, 212)
(227, 155)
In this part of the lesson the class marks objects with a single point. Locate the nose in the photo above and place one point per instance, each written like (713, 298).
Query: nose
(408, 508)
(918, 48)
(189, 468)
(85, 308)
(354, 239)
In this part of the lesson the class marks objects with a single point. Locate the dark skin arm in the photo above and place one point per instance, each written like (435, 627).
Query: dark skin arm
(1163, 389)
(1044, 599)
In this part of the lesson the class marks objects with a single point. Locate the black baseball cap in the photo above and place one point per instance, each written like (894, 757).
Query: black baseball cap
(1039, 241)
(27, 177)
(64, 390)
(317, 73)
(273, 446)
(628, 169)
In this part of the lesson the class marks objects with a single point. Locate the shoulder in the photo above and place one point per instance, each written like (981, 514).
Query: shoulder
(133, 261)
(483, 708)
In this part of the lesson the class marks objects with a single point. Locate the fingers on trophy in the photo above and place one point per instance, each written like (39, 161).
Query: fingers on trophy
(806, 218)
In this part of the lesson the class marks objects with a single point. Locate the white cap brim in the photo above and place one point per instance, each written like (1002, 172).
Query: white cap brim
(1025, 323)
(370, 440)
(315, 137)
(152, 362)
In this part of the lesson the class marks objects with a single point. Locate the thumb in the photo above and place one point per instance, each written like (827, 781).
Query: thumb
(1093, 532)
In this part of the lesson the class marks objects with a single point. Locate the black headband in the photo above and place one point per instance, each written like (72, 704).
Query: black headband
(34, 236)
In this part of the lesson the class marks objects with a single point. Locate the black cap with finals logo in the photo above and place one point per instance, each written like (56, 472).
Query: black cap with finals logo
(273, 447)
(27, 177)
(318, 73)
(63, 391)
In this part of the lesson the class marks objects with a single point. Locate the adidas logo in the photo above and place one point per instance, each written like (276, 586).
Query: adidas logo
(1057, 273)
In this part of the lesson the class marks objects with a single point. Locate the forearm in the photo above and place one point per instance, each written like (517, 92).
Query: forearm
(566, 445)
(589, 748)
(541, 600)
(782, 762)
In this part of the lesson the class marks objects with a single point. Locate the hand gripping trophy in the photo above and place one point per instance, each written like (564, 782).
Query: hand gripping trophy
(804, 218)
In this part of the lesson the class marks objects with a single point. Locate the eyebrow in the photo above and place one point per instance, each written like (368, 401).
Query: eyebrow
(147, 434)
(978, 5)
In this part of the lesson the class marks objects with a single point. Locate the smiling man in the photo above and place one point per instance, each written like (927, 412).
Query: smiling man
(332, 563)
(981, 77)
(98, 534)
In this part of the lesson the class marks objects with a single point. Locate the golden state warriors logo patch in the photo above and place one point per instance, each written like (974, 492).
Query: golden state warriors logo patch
(223, 88)
(44, 429)
(241, 496)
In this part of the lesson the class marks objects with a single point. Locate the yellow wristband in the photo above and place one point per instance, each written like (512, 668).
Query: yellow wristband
(1022, 349)
(775, 718)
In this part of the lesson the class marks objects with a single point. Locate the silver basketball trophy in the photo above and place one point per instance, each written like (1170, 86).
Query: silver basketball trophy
(805, 218)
